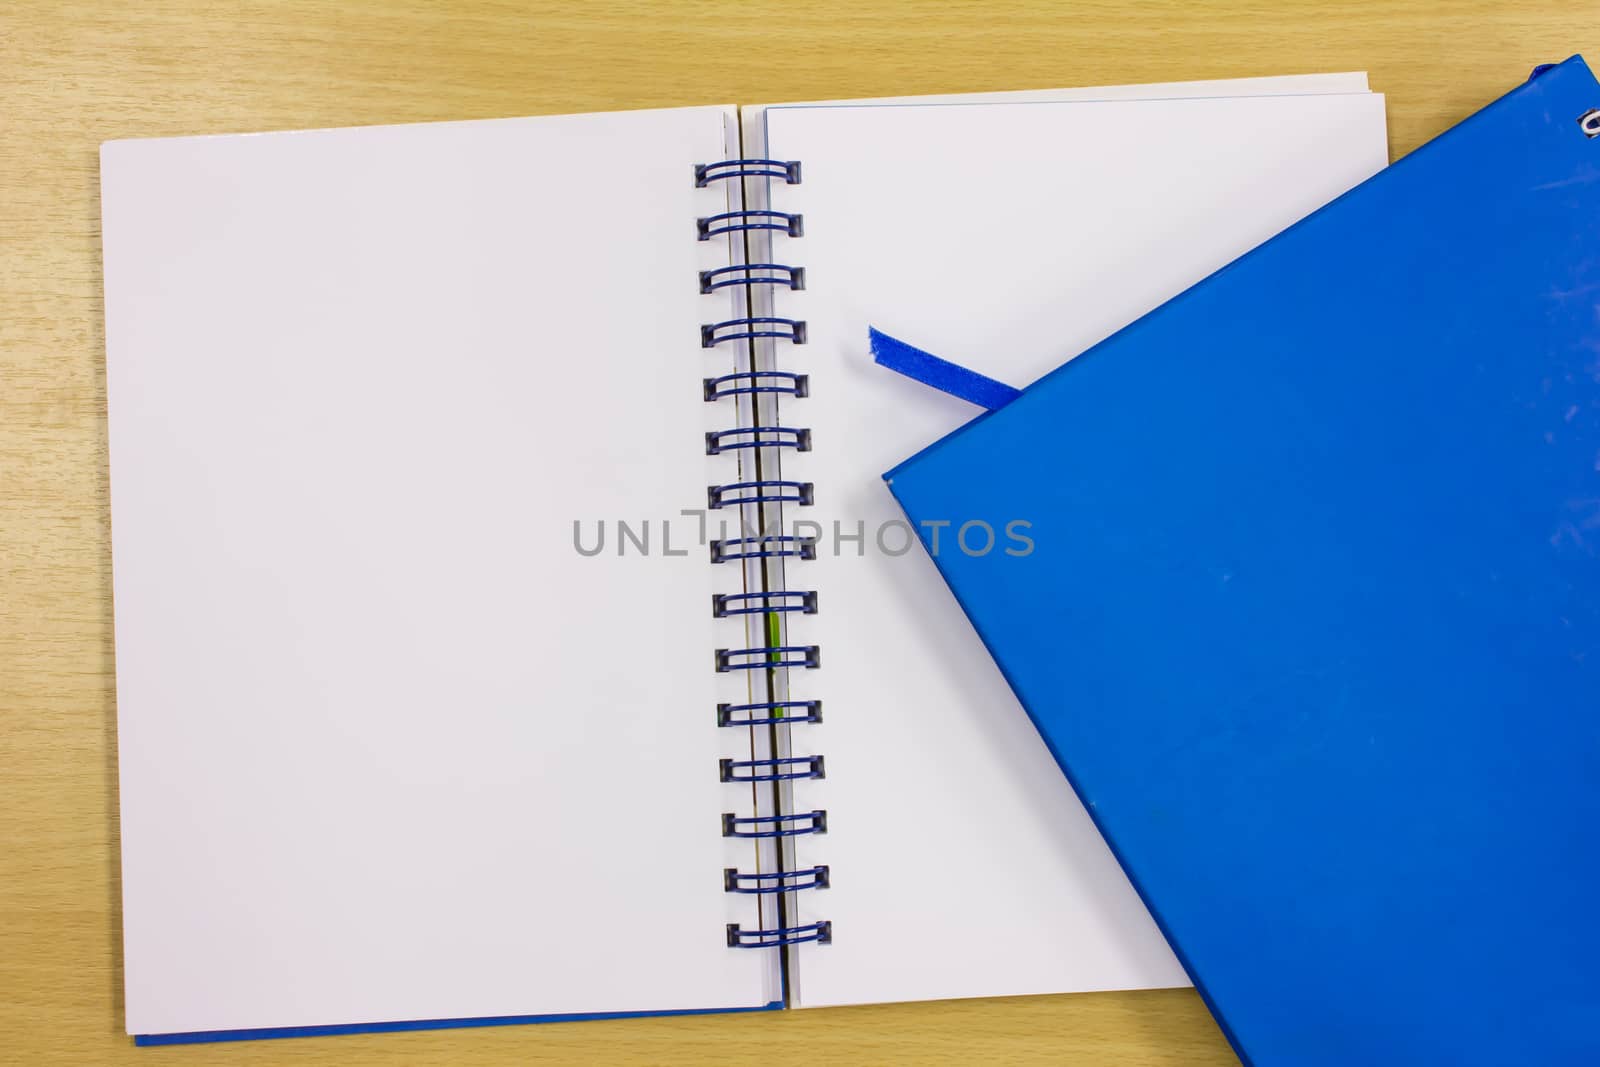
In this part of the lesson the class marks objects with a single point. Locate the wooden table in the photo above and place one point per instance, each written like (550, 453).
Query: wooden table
(73, 74)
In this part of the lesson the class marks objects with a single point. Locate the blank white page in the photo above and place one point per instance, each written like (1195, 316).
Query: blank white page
(1006, 237)
(390, 748)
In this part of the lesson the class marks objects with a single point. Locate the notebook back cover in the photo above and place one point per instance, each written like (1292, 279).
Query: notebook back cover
(1312, 619)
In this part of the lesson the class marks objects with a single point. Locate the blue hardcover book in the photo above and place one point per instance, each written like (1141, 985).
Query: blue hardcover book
(1312, 620)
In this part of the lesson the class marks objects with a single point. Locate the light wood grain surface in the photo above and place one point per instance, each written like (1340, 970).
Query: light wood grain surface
(73, 74)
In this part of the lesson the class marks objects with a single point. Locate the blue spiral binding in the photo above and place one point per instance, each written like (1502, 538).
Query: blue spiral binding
(795, 385)
(792, 225)
(820, 932)
(807, 822)
(767, 604)
(744, 274)
(718, 441)
(814, 768)
(768, 658)
(706, 173)
(726, 713)
(776, 601)
(789, 546)
(767, 491)
(774, 881)
(793, 330)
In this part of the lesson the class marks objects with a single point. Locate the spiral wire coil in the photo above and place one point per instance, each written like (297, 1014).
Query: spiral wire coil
(766, 604)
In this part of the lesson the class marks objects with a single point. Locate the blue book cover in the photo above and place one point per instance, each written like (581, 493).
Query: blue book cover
(1312, 620)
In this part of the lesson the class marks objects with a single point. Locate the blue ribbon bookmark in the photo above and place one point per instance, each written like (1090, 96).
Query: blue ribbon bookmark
(941, 374)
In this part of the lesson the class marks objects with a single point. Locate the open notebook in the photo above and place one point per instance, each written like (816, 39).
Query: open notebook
(480, 660)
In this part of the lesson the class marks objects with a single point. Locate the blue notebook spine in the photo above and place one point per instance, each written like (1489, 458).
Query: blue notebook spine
(758, 439)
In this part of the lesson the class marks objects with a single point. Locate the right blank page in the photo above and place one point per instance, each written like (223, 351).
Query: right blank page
(1007, 237)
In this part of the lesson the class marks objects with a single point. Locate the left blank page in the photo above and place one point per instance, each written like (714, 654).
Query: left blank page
(390, 748)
